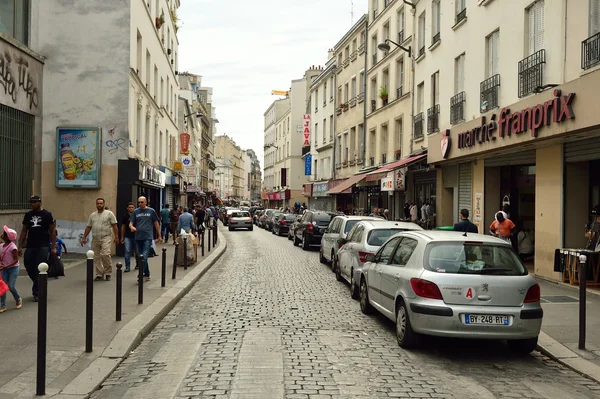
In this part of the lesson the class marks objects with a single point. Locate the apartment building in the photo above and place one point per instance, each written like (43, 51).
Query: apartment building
(272, 142)
(229, 157)
(522, 131)
(209, 130)
(112, 77)
(255, 176)
(347, 89)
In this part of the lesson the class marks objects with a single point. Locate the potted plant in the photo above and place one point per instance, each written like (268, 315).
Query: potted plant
(175, 19)
(383, 94)
(160, 21)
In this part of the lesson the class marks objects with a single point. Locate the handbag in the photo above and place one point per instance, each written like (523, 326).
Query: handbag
(55, 267)
(3, 287)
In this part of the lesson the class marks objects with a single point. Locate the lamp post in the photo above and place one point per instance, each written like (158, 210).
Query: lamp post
(385, 46)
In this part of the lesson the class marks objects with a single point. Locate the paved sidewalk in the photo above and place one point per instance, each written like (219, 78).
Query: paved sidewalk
(66, 358)
(560, 328)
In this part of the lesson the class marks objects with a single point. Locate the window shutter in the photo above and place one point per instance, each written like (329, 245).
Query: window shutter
(532, 30)
(594, 17)
(496, 47)
(540, 26)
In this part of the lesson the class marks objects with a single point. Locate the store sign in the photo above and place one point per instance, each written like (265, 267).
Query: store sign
(151, 176)
(400, 179)
(192, 189)
(190, 171)
(320, 189)
(530, 119)
(306, 130)
(178, 166)
(184, 143)
(387, 183)
(186, 161)
(308, 165)
(307, 190)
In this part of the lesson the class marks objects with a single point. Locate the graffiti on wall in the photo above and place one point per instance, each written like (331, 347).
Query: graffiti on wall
(19, 80)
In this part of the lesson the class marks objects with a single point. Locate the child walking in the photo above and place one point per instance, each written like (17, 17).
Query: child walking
(9, 266)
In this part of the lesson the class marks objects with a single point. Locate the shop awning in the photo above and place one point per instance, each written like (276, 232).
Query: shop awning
(346, 184)
(381, 172)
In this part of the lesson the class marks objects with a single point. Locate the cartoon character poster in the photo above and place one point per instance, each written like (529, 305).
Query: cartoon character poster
(78, 157)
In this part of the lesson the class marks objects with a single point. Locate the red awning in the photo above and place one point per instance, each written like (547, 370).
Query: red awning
(381, 172)
(346, 184)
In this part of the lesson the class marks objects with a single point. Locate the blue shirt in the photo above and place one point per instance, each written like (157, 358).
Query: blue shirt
(59, 246)
(186, 222)
(209, 212)
(143, 220)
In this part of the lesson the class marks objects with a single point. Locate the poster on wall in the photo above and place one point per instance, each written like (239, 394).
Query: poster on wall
(400, 179)
(477, 208)
(78, 157)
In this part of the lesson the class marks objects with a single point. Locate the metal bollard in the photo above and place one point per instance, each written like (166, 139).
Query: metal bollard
(582, 299)
(209, 239)
(174, 275)
(215, 235)
(185, 258)
(40, 383)
(202, 243)
(89, 302)
(163, 271)
(119, 299)
(139, 261)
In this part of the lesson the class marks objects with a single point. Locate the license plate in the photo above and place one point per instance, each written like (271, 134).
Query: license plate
(486, 319)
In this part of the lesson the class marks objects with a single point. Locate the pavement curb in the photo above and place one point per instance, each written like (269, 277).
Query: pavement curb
(549, 280)
(565, 356)
(131, 334)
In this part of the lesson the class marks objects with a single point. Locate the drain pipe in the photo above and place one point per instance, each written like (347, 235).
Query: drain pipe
(364, 133)
(412, 94)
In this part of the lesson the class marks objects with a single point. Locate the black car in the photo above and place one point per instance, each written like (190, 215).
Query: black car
(309, 230)
(282, 224)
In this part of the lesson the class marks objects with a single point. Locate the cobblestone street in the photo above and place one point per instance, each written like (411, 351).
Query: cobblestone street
(269, 321)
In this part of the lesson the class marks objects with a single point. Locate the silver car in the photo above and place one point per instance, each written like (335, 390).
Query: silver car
(239, 220)
(364, 239)
(449, 284)
(338, 228)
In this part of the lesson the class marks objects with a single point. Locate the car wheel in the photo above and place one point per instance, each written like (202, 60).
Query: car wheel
(405, 335)
(230, 229)
(365, 306)
(304, 243)
(321, 257)
(296, 241)
(251, 228)
(354, 294)
(523, 346)
(337, 270)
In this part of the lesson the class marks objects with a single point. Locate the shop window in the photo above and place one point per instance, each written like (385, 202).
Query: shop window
(14, 19)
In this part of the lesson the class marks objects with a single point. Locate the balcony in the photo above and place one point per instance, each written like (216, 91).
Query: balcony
(339, 69)
(401, 36)
(590, 52)
(399, 92)
(345, 106)
(338, 111)
(347, 61)
(359, 161)
(360, 97)
(331, 99)
(338, 166)
(352, 162)
(383, 158)
(433, 119)
(373, 105)
(374, 58)
(461, 16)
(352, 102)
(421, 52)
(489, 91)
(375, 13)
(435, 38)
(457, 108)
(531, 72)
(361, 48)
(353, 55)
(418, 126)
(316, 109)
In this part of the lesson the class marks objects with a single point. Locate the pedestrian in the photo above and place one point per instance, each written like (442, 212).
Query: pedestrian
(386, 214)
(58, 268)
(103, 225)
(413, 212)
(141, 222)
(174, 218)
(186, 221)
(502, 227)
(209, 217)
(128, 237)
(465, 224)
(9, 266)
(38, 229)
(200, 216)
(165, 222)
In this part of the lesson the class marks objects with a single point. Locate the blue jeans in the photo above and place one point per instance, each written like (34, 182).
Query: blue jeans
(143, 249)
(10, 278)
(129, 243)
(164, 229)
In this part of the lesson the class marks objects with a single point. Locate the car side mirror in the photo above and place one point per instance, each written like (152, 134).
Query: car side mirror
(342, 241)
(370, 258)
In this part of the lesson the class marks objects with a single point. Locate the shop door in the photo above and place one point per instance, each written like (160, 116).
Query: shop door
(170, 197)
(465, 182)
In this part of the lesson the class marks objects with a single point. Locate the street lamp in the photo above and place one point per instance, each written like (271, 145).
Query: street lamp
(386, 47)
(269, 146)
(198, 114)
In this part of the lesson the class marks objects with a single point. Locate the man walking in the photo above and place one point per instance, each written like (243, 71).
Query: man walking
(165, 222)
(186, 221)
(128, 236)
(465, 224)
(200, 216)
(39, 230)
(141, 222)
(103, 225)
(174, 218)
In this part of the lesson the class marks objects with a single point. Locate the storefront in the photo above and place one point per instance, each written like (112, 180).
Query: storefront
(345, 199)
(536, 158)
(278, 199)
(320, 200)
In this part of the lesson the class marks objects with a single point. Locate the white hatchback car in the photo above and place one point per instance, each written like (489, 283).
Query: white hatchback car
(338, 228)
(450, 284)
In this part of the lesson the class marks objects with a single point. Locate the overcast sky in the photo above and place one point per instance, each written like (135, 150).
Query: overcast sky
(244, 49)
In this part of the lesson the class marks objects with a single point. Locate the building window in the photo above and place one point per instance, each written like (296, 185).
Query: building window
(324, 130)
(399, 77)
(536, 27)
(385, 83)
(590, 48)
(457, 108)
(14, 19)
(353, 92)
(461, 10)
(490, 88)
(16, 158)
(435, 15)
(324, 93)
(459, 73)
(398, 139)
(418, 119)
(421, 38)
(401, 25)
(374, 46)
(317, 100)
(373, 94)
(492, 54)
(386, 31)
(139, 48)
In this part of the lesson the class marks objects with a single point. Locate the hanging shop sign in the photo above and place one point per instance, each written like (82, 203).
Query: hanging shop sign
(507, 123)
(320, 189)
(192, 189)
(307, 165)
(306, 130)
(307, 191)
(400, 179)
(184, 143)
(178, 166)
(151, 176)
(78, 157)
(387, 182)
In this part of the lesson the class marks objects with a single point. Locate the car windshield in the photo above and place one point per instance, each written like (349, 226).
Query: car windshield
(473, 258)
(349, 224)
(322, 219)
(240, 215)
(378, 236)
(290, 217)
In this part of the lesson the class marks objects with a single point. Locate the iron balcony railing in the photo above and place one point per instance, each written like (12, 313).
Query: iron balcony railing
(353, 55)
(433, 119)
(361, 97)
(457, 108)
(590, 51)
(531, 72)
(347, 61)
(461, 15)
(399, 92)
(373, 105)
(352, 102)
(418, 126)
(374, 58)
(384, 158)
(490, 91)
(435, 38)
(361, 48)
(401, 36)
(372, 161)
(421, 51)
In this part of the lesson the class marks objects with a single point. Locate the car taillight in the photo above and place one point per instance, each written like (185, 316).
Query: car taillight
(230, 220)
(425, 288)
(310, 228)
(533, 294)
(362, 256)
(340, 245)
(283, 222)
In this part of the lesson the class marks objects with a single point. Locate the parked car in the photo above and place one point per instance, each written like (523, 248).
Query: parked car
(271, 218)
(240, 219)
(445, 284)
(338, 228)
(310, 228)
(282, 224)
(228, 215)
(265, 216)
(256, 217)
(364, 239)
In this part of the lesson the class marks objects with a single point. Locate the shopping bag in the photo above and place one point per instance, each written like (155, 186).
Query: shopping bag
(3, 287)
(55, 267)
